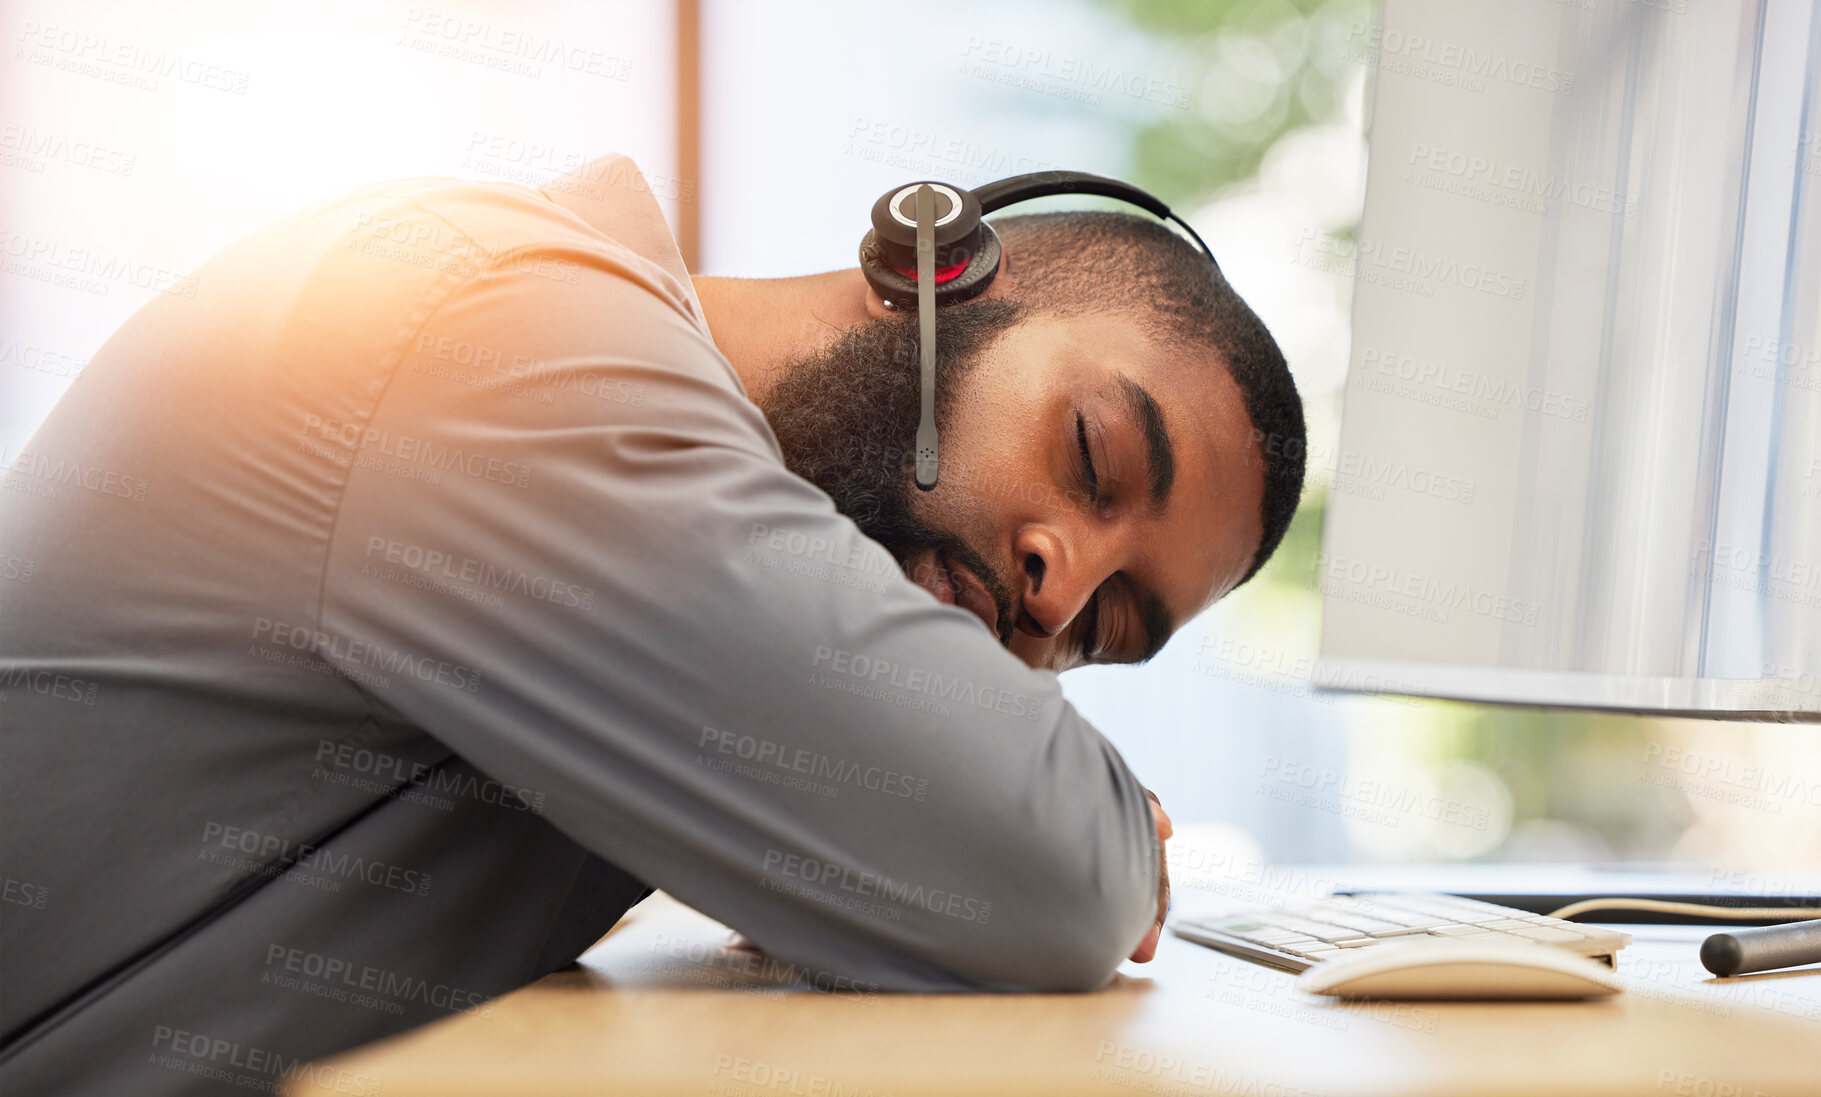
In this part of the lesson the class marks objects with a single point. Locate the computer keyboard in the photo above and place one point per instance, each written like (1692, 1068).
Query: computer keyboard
(1301, 935)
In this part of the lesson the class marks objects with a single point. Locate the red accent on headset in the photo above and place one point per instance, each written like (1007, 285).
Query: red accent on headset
(943, 274)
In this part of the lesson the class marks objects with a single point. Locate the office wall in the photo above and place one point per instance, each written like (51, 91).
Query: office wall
(136, 139)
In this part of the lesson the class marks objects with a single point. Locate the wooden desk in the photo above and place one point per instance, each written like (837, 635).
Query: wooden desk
(659, 1007)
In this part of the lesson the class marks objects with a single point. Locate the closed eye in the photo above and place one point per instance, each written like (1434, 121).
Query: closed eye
(1087, 459)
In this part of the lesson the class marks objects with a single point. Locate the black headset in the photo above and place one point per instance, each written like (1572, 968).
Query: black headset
(929, 244)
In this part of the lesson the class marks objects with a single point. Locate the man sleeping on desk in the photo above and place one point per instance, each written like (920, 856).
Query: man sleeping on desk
(443, 568)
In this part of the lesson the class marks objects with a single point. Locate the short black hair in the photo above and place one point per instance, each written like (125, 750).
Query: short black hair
(1088, 261)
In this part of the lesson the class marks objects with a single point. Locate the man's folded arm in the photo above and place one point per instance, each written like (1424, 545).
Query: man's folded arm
(614, 599)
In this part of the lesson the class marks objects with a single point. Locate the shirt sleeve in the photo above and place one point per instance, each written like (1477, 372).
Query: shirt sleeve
(568, 548)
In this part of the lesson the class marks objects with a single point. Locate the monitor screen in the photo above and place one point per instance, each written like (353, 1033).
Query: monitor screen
(1580, 457)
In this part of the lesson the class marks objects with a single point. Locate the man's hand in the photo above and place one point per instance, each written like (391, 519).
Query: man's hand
(1147, 948)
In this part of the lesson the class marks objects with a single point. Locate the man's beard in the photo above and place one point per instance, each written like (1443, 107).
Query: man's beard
(846, 418)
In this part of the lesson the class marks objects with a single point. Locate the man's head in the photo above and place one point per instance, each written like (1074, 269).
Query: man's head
(1122, 443)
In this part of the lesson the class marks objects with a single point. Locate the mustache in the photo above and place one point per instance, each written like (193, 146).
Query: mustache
(959, 552)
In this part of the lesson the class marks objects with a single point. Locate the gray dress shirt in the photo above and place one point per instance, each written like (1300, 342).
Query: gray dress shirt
(388, 607)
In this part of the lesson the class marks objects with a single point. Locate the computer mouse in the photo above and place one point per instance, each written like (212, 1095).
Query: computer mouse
(1435, 968)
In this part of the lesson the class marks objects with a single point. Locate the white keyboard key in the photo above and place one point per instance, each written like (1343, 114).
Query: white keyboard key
(1549, 934)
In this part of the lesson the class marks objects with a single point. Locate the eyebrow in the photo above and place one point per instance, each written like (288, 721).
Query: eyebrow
(1159, 454)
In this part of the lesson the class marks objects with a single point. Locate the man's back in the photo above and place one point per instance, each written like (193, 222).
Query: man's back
(175, 733)
(380, 599)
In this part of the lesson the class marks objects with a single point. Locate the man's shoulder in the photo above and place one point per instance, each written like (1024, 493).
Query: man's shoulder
(600, 215)
(475, 218)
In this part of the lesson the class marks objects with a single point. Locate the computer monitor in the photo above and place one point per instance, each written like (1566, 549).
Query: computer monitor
(1580, 456)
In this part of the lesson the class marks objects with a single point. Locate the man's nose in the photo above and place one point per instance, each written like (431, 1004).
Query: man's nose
(1060, 575)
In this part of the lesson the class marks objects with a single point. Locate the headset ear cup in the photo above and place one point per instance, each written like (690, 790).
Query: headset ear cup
(980, 271)
(894, 288)
(899, 291)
